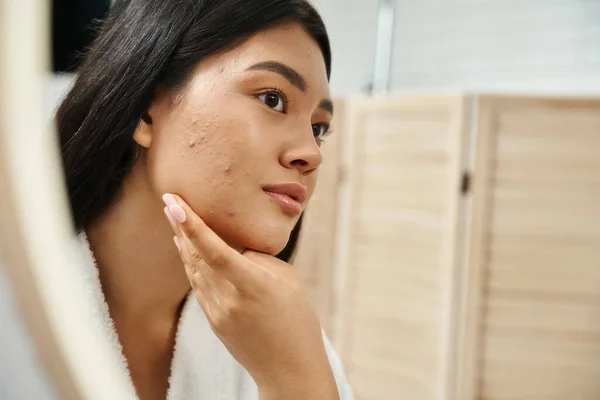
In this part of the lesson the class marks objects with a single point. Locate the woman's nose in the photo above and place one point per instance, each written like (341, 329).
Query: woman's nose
(303, 154)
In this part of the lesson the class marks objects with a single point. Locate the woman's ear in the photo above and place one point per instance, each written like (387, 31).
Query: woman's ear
(146, 118)
(144, 133)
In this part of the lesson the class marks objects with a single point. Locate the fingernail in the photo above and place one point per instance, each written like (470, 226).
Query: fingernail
(170, 217)
(176, 211)
(176, 240)
(169, 199)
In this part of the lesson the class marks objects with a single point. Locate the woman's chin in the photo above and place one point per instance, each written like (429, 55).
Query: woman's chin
(267, 242)
(268, 238)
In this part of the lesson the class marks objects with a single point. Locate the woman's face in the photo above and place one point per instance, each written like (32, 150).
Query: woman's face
(241, 143)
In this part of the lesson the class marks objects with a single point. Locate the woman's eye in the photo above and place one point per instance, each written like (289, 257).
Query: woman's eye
(273, 100)
(320, 130)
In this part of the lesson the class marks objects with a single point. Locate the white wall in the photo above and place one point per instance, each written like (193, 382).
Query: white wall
(352, 28)
(494, 45)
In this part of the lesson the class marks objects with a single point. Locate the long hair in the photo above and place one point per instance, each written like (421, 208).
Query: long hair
(143, 44)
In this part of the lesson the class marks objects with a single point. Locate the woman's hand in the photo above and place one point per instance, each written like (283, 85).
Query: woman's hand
(258, 307)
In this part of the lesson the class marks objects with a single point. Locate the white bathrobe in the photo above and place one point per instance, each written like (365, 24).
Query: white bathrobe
(202, 368)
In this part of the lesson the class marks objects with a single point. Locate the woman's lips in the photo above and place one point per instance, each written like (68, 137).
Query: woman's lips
(289, 205)
(289, 196)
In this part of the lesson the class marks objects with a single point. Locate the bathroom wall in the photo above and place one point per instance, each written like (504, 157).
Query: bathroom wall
(539, 46)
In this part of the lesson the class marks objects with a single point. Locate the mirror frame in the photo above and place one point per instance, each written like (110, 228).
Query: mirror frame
(36, 238)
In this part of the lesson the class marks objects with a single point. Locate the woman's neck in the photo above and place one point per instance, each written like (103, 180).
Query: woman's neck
(140, 270)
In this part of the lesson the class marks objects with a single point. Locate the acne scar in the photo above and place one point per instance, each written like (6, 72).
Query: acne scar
(228, 169)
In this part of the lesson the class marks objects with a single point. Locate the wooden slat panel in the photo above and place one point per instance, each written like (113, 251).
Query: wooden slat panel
(394, 316)
(541, 315)
(373, 382)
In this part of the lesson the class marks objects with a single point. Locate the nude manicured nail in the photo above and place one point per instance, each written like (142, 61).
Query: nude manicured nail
(176, 210)
(170, 217)
(169, 199)
(176, 240)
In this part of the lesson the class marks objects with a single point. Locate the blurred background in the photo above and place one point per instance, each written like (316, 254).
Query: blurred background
(452, 248)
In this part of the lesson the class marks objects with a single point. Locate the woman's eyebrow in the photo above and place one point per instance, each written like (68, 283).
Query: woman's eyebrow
(292, 76)
(287, 72)
(326, 105)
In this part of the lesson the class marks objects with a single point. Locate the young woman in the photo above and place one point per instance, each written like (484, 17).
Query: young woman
(191, 143)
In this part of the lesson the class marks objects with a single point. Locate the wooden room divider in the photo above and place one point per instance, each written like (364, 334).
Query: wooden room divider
(453, 247)
(532, 300)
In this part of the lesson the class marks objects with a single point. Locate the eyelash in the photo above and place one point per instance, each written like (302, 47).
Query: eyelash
(286, 102)
(328, 131)
(281, 94)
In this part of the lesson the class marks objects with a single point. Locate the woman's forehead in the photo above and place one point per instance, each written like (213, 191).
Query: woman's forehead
(288, 44)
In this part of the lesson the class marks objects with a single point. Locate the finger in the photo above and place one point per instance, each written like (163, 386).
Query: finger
(190, 259)
(211, 290)
(193, 263)
(220, 287)
(175, 226)
(212, 249)
(203, 288)
(199, 292)
(203, 279)
(217, 288)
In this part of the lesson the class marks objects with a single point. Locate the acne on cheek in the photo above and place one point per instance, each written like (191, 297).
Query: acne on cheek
(200, 127)
(196, 140)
